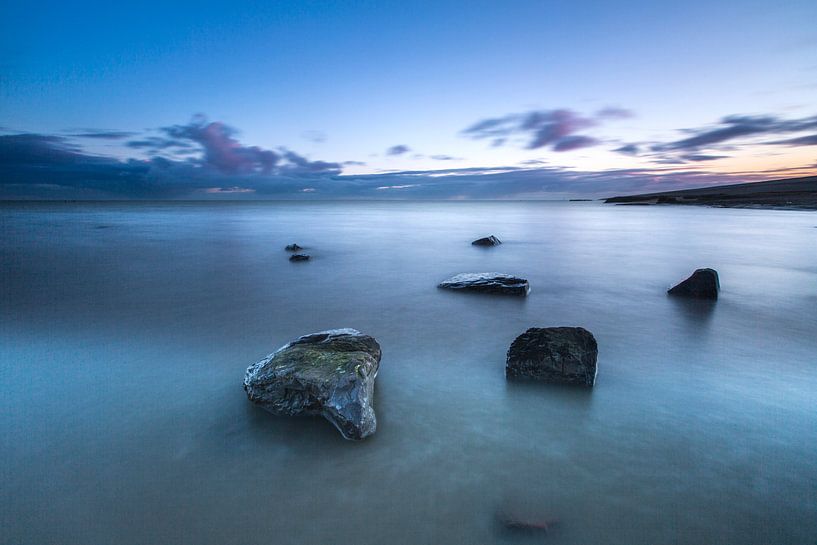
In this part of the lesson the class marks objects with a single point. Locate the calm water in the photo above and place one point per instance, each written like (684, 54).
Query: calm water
(125, 330)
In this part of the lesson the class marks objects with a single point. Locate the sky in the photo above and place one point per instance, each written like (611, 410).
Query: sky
(444, 100)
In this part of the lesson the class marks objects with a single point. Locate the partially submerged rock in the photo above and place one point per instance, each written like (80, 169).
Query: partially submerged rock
(703, 284)
(487, 241)
(517, 524)
(564, 355)
(330, 373)
(292, 248)
(299, 257)
(489, 282)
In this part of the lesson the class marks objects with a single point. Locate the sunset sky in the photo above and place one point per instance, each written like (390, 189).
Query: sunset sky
(402, 99)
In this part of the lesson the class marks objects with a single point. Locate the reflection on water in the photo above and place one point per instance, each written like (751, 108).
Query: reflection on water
(125, 330)
(697, 313)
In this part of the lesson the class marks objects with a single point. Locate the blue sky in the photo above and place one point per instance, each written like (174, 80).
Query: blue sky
(387, 93)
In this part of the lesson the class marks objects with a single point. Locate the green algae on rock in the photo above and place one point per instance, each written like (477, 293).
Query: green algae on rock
(330, 373)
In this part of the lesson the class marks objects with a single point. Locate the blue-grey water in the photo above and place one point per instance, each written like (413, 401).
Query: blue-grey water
(125, 330)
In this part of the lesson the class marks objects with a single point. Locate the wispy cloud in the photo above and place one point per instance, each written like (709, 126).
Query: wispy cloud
(810, 140)
(569, 143)
(102, 134)
(399, 149)
(555, 129)
(314, 136)
(699, 157)
(612, 112)
(734, 127)
(628, 149)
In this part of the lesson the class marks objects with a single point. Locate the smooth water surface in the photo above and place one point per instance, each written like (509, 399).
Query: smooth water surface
(125, 330)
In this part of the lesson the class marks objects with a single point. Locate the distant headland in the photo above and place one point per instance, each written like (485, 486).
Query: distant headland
(790, 193)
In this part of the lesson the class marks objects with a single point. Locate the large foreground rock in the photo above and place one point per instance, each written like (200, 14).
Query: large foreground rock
(703, 284)
(565, 355)
(489, 282)
(487, 241)
(330, 373)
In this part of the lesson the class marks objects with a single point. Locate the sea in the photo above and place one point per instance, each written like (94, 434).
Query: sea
(126, 329)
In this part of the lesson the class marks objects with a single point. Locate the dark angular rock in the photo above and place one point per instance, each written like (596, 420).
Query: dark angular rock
(292, 248)
(564, 355)
(299, 257)
(330, 373)
(487, 241)
(703, 284)
(490, 282)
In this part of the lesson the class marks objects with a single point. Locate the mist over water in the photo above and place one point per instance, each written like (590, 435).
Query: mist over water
(126, 328)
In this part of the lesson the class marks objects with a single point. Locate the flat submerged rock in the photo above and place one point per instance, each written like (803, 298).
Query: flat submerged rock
(489, 282)
(330, 373)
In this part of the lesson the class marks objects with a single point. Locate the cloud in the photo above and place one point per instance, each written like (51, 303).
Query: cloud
(735, 127)
(316, 137)
(234, 189)
(158, 143)
(628, 149)
(445, 158)
(37, 148)
(405, 186)
(533, 162)
(207, 160)
(569, 143)
(300, 166)
(181, 160)
(42, 166)
(555, 129)
(614, 113)
(543, 182)
(698, 157)
(810, 140)
(400, 149)
(103, 135)
(221, 150)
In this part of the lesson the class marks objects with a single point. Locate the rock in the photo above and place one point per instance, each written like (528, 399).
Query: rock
(330, 373)
(299, 257)
(516, 524)
(292, 248)
(490, 282)
(703, 284)
(564, 355)
(487, 241)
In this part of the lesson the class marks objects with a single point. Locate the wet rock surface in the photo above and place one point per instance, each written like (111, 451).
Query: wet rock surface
(299, 257)
(330, 373)
(489, 282)
(293, 248)
(487, 241)
(562, 355)
(703, 284)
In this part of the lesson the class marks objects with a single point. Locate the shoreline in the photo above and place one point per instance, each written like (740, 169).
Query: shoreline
(786, 194)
